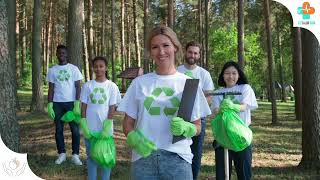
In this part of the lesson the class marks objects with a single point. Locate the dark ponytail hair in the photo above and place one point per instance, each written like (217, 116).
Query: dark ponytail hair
(101, 58)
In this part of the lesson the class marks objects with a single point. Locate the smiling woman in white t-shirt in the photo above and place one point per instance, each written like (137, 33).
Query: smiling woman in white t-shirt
(150, 105)
(232, 79)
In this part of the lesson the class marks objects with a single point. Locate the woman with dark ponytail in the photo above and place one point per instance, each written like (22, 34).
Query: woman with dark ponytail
(99, 99)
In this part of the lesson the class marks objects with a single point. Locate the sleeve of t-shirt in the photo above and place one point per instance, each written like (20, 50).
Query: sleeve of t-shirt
(200, 107)
(77, 74)
(129, 103)
(84, 94)
(208, 84)
(249, 97)
(50, 76)
(115, 95)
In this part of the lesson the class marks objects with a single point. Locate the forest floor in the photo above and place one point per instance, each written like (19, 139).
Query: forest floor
(276, 149)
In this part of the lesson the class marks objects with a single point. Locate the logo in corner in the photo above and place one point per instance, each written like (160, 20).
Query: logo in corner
(13, 167)
(306, 11)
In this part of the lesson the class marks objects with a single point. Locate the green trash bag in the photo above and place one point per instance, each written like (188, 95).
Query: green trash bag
(70, 116)
(103, 151)
(230, 131)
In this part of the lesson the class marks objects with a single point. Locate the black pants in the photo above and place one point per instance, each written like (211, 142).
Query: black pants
(242, 162)
(60, 108)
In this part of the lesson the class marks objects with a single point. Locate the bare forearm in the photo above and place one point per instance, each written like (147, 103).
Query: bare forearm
(197, 123)
(112, 110)
(243, 107)
(128, 124)
(50, 92)
(83, 110)
(78, 89)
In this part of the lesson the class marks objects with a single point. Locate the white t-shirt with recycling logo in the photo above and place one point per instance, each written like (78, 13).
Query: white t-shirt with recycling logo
(99, 96)
(200, 73)
(64, 77)
(247, 97)
(153, 100)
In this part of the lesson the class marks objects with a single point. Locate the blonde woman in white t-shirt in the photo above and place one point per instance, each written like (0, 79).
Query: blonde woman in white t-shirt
(99, 99)
(232, 79)
(151, 104)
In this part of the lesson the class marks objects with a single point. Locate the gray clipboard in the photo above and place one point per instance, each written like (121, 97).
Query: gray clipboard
(186, 104)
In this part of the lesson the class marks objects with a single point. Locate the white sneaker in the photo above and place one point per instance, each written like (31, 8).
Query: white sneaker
(61, 158)
(76, 160)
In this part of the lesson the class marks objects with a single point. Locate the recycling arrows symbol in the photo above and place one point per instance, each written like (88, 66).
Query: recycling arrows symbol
(98, 92)
(63, 75)
(190, 74)
(154, 110)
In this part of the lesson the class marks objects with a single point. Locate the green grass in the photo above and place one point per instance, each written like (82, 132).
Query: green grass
(276, 149)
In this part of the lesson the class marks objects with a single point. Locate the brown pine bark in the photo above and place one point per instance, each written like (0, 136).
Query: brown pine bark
(297, 74)
(206, 29)
(170, 18)
(270, 62)
(9, 127)
(37, 89)
(240, 28)
(136, 34)
(311, 101)
(90, 38)
(85, 50)
(75, 32)
(145, 36)
(113, 42)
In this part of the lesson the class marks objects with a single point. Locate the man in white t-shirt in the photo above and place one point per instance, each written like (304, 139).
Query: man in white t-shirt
(190, 68)
(63, 95)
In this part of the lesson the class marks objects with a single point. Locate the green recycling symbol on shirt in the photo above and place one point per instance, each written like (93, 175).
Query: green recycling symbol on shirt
(233, 99)
(189, 73)
(63, 75)
(154, 110)
(98, 96)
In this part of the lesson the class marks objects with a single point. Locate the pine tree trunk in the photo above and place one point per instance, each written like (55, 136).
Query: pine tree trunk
(279, 42)
(85, 50)
(170, 14)
(311, 101)
(270, 62)
(297, 74)
(136, 33)
(145, 34)
(206, 29)
(241, 33)
(103, 21)
(9, 127)
(123, 59)
(113, 42)
(128, 63)
(17, 53)
(12, 42)
(90, 38)
(48, 38)
(75, 32)
(37, 90)
(200, 29)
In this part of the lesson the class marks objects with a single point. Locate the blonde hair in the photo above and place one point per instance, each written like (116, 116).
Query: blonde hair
(164, 30)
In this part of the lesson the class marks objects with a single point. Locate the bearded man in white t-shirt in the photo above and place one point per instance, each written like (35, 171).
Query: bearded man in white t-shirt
(63, 96)
(191, 69)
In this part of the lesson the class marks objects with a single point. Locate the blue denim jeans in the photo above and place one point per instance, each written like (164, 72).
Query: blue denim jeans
(60, 108)
(161, 165)
(242, 162)
(196, 149)
(93, 167)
